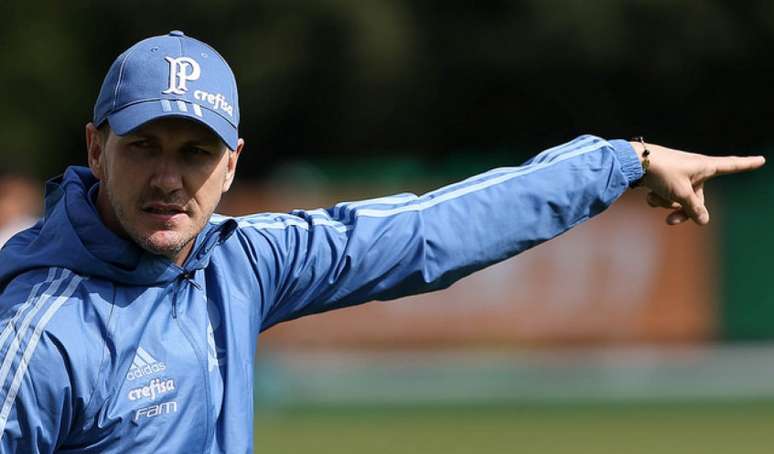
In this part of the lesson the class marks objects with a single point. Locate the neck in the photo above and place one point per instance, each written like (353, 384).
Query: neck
(180, 258)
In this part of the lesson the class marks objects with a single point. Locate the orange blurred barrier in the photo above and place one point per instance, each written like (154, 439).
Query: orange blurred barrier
(622, 277)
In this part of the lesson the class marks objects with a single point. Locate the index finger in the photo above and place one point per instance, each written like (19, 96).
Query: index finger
(725, 165)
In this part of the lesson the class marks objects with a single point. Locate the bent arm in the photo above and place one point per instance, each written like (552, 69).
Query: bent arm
(390, 247)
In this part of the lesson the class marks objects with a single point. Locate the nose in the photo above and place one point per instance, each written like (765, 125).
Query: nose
(167, 175)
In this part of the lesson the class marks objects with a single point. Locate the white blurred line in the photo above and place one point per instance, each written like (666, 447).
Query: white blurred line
(589, 374)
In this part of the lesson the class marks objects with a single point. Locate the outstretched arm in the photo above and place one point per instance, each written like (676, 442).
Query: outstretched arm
(313, 261)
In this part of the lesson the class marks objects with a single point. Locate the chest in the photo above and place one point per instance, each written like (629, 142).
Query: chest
(177, 351)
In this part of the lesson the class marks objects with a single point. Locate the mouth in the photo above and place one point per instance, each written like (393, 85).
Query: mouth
(165, 212)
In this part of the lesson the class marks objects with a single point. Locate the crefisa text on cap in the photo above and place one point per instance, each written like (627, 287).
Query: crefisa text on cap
(218, 101)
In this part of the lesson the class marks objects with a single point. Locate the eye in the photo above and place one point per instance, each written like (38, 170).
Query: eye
(195, 151)
(142, 143)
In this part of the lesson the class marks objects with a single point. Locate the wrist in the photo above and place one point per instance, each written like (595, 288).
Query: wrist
(639, 149)
(642, 151)
(627, 159)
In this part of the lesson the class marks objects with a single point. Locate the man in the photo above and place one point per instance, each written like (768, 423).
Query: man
(130, 312)
(18, 205)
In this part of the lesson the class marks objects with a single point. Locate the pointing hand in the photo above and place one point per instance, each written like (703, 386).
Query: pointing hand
(676, 179)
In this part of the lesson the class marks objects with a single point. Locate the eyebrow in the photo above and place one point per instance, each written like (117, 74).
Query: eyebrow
(198, 140)
(215, 141)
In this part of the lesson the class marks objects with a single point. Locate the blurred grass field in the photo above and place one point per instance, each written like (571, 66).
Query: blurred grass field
(691, 427)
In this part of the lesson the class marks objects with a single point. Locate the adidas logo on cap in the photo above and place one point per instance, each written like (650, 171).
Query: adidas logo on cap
(144, 364)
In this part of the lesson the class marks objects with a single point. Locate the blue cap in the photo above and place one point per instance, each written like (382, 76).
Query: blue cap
(170, 75)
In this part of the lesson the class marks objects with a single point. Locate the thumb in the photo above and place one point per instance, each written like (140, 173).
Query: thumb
(693, 206)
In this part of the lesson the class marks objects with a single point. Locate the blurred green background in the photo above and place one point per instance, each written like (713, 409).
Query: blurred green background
(348, 92)
(586, 429)
(426, 79)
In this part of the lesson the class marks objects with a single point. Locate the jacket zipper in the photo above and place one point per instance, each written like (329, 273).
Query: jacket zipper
(185, 277)
(189, 278)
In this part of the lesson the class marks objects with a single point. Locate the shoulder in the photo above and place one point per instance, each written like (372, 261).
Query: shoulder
(280, 223)
(37, 288)
(52, 339)
(30, 352)
(48, 288)
(45, 308)
(262, 222)
(274, 233)
(38, 369)
(252, 236)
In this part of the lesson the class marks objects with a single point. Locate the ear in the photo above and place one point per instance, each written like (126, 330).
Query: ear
(233, 157)
(95, 150)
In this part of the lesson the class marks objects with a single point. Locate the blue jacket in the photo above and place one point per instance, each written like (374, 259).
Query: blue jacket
(108, 349)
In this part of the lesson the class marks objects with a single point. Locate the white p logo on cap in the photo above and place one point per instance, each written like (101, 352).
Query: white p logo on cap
(181, 70)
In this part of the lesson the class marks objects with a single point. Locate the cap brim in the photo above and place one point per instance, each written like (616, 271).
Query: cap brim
(132, 117)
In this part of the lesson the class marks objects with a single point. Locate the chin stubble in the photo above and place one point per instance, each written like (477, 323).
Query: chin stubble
(143, 240)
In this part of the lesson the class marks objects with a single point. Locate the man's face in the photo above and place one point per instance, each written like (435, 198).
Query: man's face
(160, 184)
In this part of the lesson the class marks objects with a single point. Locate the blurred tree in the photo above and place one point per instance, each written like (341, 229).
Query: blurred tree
(333, 78)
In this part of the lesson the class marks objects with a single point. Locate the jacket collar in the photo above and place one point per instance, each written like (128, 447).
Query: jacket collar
(73, 235)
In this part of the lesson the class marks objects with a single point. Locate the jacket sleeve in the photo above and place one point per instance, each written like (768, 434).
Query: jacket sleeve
(313, 261)
(36, 397)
